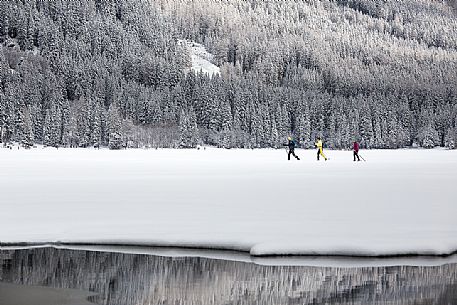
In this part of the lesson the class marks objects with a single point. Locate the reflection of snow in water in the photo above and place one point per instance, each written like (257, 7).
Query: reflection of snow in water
(201, 59)
(142, 279)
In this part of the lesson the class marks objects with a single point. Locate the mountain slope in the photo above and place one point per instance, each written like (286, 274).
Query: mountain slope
(95, 73)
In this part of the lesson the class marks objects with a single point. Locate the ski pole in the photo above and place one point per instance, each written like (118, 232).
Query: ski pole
(362, 158)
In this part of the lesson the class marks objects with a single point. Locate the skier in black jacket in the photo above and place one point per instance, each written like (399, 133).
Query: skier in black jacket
(291, 146)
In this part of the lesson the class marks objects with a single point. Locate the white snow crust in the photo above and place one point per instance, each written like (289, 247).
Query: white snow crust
(200, 58)
(399, 202)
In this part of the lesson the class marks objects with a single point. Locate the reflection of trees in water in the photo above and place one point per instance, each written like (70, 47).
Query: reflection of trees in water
(126, 279)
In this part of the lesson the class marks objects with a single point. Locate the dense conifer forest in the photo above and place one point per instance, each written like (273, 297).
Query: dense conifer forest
(112, 73)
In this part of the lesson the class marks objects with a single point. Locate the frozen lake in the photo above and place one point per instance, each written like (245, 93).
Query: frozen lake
(71, 276)
(399, 202)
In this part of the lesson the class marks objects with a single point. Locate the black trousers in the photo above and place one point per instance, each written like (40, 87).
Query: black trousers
(356, 154)
(292, 152)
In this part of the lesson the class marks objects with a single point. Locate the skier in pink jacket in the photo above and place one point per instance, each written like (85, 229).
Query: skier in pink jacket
(356, 151)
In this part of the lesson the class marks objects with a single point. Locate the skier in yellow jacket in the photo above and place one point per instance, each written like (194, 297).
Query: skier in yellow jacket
(320, 151)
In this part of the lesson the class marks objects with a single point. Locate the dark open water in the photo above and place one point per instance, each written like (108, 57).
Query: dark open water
(132, 279)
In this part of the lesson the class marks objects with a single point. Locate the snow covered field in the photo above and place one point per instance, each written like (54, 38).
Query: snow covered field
(399, 202)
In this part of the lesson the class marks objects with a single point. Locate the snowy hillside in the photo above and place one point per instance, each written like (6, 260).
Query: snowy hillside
(398, 202)
(380, 72)
(200, 58)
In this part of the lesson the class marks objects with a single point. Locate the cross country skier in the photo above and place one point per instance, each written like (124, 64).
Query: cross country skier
(320, 149)
(291, 145)
(356, 151)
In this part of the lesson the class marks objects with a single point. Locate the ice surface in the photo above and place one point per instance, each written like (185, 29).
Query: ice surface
(398, 202)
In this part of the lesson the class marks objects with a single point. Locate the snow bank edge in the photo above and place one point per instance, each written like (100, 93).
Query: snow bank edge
(256, 251)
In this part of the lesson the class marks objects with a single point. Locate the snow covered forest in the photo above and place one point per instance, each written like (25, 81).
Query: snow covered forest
(112, 73)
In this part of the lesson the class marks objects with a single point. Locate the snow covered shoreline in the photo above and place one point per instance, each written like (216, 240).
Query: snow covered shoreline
(236, 256)
(400, 202)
